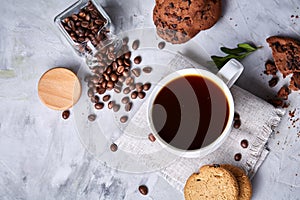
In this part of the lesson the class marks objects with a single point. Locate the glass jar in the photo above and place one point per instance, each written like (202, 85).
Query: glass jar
(87, 27)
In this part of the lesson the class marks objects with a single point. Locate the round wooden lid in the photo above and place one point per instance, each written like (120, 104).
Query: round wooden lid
(59, 88)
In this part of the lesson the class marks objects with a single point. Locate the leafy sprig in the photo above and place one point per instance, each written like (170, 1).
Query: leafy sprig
(239, 53)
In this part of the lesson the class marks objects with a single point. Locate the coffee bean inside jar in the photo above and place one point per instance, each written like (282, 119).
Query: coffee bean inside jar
(87, 25)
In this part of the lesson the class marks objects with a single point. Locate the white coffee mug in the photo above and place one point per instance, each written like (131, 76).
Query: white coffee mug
(224, 79)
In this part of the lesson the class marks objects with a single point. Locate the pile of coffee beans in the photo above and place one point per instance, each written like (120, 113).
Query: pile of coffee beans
(112, 70)
(86, 25)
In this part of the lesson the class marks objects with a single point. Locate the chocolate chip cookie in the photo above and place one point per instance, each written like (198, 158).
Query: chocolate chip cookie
(177, 21)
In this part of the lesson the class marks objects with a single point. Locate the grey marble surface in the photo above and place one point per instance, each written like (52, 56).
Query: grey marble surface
(41, 156)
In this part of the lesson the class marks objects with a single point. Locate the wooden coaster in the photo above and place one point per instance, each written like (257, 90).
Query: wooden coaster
(59, 88)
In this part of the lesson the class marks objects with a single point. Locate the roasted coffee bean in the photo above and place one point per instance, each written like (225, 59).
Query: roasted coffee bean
(244, 143)
(74, 17)
(134, 94)
(90, 92)
(114, 66)
(110, 84)
(106, 98)
(136, 72)
(146, 86)
(237, 124)
(118, 84)
(120, 69)
(129, 80)
(161, 45)
(120, 61)
(132, 86)
(135, 44)
(84, 24)
(127, 62)
(117, 89)
(101, 90)
(92, 117)
(237, 157)
(143, 189)
(65, 114)
(95, 99)
(151, 137)
(66, 19)
(81, 14)
(99, 22)
(147, 70)
(128, 106)
(126, 73)
(121, 79)
(106, 77)
(127, 55)
(99, 105)
(111, 104)
(236, 116)
(87, 78)
(125, 100)
(113, 147)
(71, 25)
(137, 60)
(141, 95)
(109, 70)
(125, 41)
(139, 87)
(116, 107)
(123, 119)
(87, 17)
(114, 77)
(90, 84)
(126, 90)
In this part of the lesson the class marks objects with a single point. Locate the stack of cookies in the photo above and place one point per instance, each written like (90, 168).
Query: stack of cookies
(218, 182)
(177, 21)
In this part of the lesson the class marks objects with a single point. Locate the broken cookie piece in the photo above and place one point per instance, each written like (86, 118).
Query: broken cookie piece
(295, 82)
(270, 68)
(283, 93)
(286, 54)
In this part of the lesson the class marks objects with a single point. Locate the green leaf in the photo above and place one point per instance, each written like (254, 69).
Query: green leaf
(239, 53)
(247, 47)
(235, 51)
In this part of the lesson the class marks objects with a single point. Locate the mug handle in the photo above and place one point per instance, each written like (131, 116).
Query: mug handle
(230, 72)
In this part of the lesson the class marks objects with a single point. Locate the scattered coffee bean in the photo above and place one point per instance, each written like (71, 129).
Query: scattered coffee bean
(136, 72)
(120, 69)
(90, 92)
(87, 78)
(116, 107)
(113, 147)
(129, 80)
(161, 45)
(135, 44)
(110, 84)
(127, 55)
(237, 124)
(147, 70)
(128, 106)
(151, 137)
(123, 119)
(146, 86)
(111, 104)
(141, 95)
(236, 116)
(65, 114)
(143, 189)
(106, 98)
(99, 105)
(126, 90)
(125, 100)
(102, 90)
(113, 77)
(90, 84)
(126, 73)
(134, 94)
(132, 86)
(117, 89)
(137, 60)
(237, 157)
(244, 143)
(139, 87)
(121, 79)
(127, 62)
(95, 99)
(92, 117)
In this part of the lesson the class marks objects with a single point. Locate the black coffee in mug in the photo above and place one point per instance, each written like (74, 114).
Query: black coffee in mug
(190, 112)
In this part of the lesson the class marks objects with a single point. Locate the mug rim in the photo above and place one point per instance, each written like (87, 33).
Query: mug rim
(226, 131)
